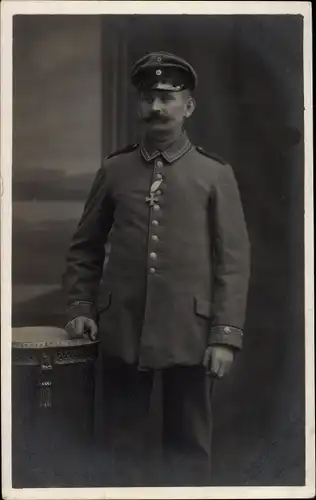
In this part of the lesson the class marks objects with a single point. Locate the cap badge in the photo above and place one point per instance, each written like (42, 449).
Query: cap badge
(158, 59)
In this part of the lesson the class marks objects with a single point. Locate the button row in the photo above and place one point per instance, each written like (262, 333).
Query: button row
(155, 223)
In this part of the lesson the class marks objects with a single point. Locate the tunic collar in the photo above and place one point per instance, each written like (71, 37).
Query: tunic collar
(177, 149)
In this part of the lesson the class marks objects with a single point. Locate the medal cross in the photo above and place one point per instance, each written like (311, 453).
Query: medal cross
(151, 199)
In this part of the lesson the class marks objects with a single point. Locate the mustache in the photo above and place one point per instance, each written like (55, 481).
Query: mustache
(156, 117)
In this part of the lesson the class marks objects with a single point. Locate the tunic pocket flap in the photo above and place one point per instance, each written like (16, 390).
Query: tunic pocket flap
(203, 307)
(104, 301)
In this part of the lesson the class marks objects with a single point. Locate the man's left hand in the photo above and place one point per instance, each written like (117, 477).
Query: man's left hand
(218, 360)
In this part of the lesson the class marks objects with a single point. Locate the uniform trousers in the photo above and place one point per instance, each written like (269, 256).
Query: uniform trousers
(186, 424)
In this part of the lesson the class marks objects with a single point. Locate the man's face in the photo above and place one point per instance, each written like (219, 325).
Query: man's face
(163, 110)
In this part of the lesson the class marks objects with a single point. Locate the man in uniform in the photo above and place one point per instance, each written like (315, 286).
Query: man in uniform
(173, 294)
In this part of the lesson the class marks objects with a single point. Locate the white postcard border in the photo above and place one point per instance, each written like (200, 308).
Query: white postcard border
(8, 10)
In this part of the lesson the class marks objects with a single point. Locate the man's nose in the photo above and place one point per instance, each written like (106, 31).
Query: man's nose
(156, 104)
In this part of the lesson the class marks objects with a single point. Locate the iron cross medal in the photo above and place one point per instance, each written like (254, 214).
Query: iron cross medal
(152, 198)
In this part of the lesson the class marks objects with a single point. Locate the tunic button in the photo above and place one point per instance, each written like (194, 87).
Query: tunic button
(156, 208)
(159, 164)
(154, 237)
(152, 270)
(153, 256)
(155, 223)
(158, 176)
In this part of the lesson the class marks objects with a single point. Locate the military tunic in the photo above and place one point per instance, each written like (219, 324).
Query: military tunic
(177, 276)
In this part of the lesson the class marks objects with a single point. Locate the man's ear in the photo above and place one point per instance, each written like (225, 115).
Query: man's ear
(190, 106)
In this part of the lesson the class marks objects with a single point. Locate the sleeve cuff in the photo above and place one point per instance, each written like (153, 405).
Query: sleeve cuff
(81, 308)
(226, 335)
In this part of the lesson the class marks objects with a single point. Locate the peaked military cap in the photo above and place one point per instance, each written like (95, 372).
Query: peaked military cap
(163, 71)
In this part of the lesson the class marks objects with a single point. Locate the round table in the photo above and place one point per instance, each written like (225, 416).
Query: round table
(53, 383)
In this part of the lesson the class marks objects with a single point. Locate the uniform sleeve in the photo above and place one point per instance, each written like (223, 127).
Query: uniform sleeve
(85, 258)
(232, 261)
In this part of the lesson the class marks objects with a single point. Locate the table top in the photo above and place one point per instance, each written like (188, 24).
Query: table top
(37, 337)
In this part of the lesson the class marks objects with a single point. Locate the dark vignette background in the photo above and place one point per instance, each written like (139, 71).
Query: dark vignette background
(73, 103)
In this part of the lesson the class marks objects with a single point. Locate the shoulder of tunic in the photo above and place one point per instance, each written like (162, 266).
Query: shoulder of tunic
(127, 149)
(213, 156)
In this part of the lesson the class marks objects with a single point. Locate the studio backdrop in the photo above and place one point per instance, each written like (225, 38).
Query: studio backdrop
(74, 104)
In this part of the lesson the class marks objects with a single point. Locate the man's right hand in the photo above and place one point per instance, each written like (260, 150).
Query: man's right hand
(82, 327)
